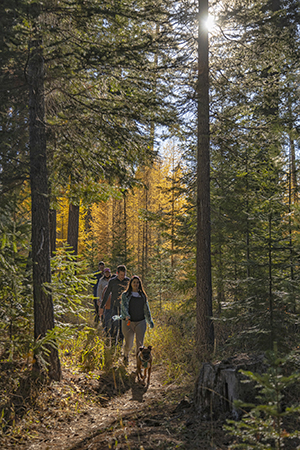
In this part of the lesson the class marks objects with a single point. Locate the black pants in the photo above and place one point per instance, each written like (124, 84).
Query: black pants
(96, 309)
(115, 327)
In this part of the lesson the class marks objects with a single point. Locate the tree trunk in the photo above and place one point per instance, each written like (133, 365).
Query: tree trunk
(125, 228)
(271, 299)
(219, 385)
(73, 227)
(173, 209)
(145, 228)
(292, 190)
(292, 156)
(220, 277)
(88, 220)
(205, 330)
(52, 221)
(220, 283)
(43, 305)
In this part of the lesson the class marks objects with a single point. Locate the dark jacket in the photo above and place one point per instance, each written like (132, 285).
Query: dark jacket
(116, 288)
(97, 275)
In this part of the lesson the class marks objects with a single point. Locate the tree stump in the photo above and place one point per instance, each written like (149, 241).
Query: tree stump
(218, 385)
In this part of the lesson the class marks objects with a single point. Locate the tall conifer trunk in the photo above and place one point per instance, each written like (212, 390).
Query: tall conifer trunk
(173, 209)
(145, 228)
(73, 227)
(52, 222)
(125, 228)
(292, 200)
(271, 299)
(205, 330)
(292, 156)
(43, 305)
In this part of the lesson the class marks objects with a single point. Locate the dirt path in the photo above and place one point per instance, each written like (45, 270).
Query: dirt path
(120, 414)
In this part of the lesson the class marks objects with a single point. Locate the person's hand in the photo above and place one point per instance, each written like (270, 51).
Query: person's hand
(101, 312)
(151, 324)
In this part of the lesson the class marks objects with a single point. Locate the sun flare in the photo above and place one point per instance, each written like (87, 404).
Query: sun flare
(210, 22)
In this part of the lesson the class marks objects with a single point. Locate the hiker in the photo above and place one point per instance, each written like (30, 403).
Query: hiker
(135, 314)
(97, 276)
(115, 287)
(102, 285)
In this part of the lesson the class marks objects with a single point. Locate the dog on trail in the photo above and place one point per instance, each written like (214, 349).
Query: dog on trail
(144, 361)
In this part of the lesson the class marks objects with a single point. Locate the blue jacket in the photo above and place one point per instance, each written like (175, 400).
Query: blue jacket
(125, 300)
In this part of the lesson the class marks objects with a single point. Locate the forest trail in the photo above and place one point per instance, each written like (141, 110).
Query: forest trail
(135, 418)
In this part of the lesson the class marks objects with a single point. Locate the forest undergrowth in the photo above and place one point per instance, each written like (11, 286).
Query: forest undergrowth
(99, 397)
(99, 404)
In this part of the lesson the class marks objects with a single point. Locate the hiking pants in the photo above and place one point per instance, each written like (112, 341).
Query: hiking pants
(107, 320)
(135, 328)
(114, 327)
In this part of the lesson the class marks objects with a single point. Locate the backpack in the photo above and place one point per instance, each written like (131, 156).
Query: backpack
(108, 303)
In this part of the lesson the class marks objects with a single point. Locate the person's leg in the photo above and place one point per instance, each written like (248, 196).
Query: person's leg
(113, 325)
(128, 337)
(140, 330)
(96, 305)
(107, 321)
(114, 331)
(96, 310)
(120, 334)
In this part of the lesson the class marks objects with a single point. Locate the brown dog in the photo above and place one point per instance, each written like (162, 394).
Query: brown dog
(144, 360)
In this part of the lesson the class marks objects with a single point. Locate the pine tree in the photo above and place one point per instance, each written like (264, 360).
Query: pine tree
(205, 329)
(43, 305)
(91, 103)
(249, 182)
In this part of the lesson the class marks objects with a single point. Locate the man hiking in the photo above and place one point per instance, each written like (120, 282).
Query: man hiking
(116, 286)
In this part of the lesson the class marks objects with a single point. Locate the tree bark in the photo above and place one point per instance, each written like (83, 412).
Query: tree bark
(145, 227)
(52, 224)
(205, 330)
(88, 220)
(219, 385)
(125, 228)
(73, 227)
(43, 305)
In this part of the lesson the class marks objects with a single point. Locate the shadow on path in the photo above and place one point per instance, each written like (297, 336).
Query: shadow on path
(138, 390)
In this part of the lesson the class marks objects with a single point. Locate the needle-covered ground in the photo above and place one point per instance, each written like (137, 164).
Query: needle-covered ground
(103, 410)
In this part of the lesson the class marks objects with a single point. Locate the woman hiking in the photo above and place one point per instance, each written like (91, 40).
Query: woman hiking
(135, 313)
